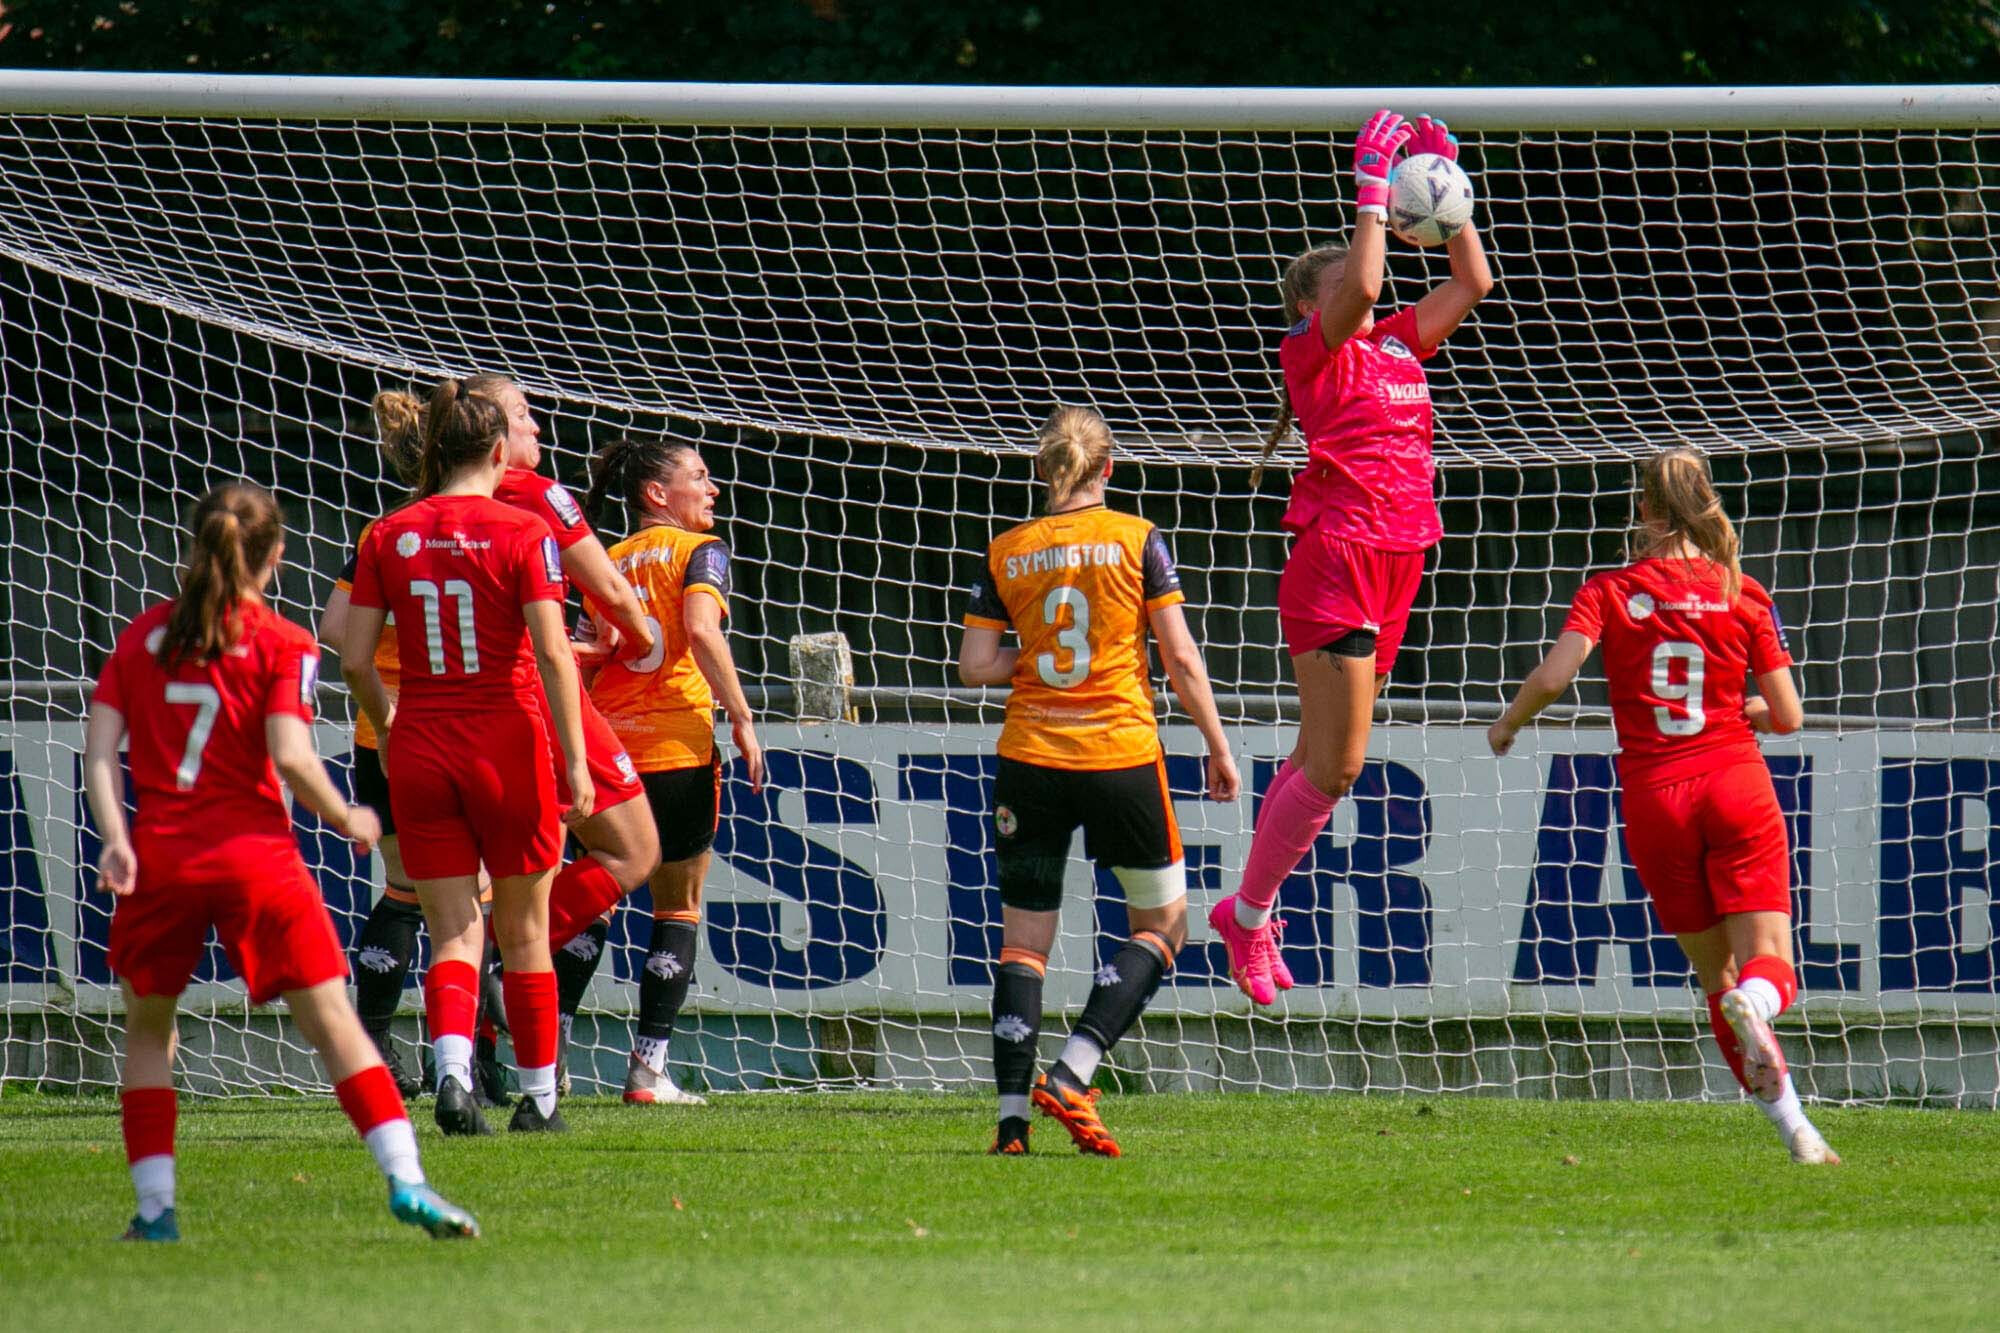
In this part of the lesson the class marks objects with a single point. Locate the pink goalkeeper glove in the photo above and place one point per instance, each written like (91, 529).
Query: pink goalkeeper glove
(1430, 136)
(1375, 150)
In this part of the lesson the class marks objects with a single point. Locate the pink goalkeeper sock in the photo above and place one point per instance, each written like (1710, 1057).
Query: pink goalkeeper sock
(1283, 778)
(1284, 834)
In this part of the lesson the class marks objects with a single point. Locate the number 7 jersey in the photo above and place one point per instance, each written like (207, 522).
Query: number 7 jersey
(1676, 656)
(1077, 588)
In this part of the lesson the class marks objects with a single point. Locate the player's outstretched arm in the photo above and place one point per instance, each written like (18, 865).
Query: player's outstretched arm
(611, 596)
(361, 631)
(557, 665)
(1440, 312)
(1446, 305)
(1544, 685)
(1189, 677)
(290, 742)
(702, 615)
(1375, 150)
(1779, 711)
(117, 867)
(333, 621)
(981, 659)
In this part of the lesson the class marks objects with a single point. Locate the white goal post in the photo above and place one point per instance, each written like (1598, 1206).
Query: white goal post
(860, 301)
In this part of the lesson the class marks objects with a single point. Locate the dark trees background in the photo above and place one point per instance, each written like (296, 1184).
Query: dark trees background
(1193, 42)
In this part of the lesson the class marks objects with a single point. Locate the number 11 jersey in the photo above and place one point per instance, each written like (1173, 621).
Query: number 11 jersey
(1077, 588)
(1676, 655)
(455, 572)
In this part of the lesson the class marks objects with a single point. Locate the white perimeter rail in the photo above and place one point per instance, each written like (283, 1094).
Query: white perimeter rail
(284, 97)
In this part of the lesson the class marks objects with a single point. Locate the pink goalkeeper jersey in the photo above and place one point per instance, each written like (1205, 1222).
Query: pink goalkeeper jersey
(1365, 411)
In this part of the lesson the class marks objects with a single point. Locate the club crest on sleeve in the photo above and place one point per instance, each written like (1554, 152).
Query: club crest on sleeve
(308, 676)
(1395, 346)
(408, 544)
(551, 560)
(1005, 822)
(1299, 327)
(1640, 604)
(155, 639)
(563, 504)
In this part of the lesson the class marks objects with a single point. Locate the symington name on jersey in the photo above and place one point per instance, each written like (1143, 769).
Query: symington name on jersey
(1105, 555)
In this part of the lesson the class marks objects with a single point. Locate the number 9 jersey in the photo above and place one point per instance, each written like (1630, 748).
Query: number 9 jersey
(1676, 654)
(1077, 588)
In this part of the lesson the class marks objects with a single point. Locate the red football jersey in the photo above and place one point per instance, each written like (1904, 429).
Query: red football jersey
(550, 501)
(1676, 656)
(200, 765)
(455, 571)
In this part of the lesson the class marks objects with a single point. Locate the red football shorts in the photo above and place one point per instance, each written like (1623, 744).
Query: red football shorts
(474, 789)
(263, 905)
(1332, 586)
(1710, 846)
(611, 769)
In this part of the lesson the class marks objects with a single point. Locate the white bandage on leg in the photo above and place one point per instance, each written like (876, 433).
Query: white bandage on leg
(1152, 889)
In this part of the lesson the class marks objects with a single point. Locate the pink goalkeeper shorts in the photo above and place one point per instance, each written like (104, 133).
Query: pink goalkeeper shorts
(1332, 586)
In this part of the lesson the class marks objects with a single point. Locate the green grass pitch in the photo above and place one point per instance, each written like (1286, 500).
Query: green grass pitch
(881, 1211)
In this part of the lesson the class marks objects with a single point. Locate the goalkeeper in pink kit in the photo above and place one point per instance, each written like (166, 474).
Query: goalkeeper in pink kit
(1362, 514)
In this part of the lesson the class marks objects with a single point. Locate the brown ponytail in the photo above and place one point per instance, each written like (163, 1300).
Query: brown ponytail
(1300, 282)
(427, 444)
(1074, 444)
(619, 473)
(1678, 503)
(235, 528)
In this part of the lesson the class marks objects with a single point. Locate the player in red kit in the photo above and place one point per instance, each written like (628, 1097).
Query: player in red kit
(476, 591)
(1361, 516)
(215, 693)
(620, 840)
(1682, 627)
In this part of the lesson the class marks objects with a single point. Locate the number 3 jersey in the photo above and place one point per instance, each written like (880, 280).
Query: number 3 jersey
(1676, 654)
(200, 765)
(455, 571)
(1076, 589)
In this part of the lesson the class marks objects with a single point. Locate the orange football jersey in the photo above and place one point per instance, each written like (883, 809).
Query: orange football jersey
(660, 705)
(387, 665)
(1076, 588)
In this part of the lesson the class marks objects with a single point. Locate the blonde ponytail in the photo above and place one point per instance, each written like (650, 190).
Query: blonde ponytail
(1074, 444)
(1680, 504)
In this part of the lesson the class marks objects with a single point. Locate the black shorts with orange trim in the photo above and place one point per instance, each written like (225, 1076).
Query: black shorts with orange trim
(371, 787)
(686, 803)
(1126, 815)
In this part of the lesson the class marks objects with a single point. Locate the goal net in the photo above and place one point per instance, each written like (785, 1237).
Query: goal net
(859, 303)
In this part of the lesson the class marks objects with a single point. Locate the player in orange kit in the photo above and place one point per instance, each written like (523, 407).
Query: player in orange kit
(1682, 626)
(662, 705)
(1080, 587)
(215, 693)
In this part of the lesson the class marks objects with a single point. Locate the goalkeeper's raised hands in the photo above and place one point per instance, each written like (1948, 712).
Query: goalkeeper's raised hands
(1431, 136)
(1375, 150)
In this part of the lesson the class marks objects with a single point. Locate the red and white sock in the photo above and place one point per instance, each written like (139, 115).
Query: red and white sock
(1770, 984)
(147, 1116)
(451, 1001)
(380, 1118)
(1286, 829)
(582, 892)
(531, 1020)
